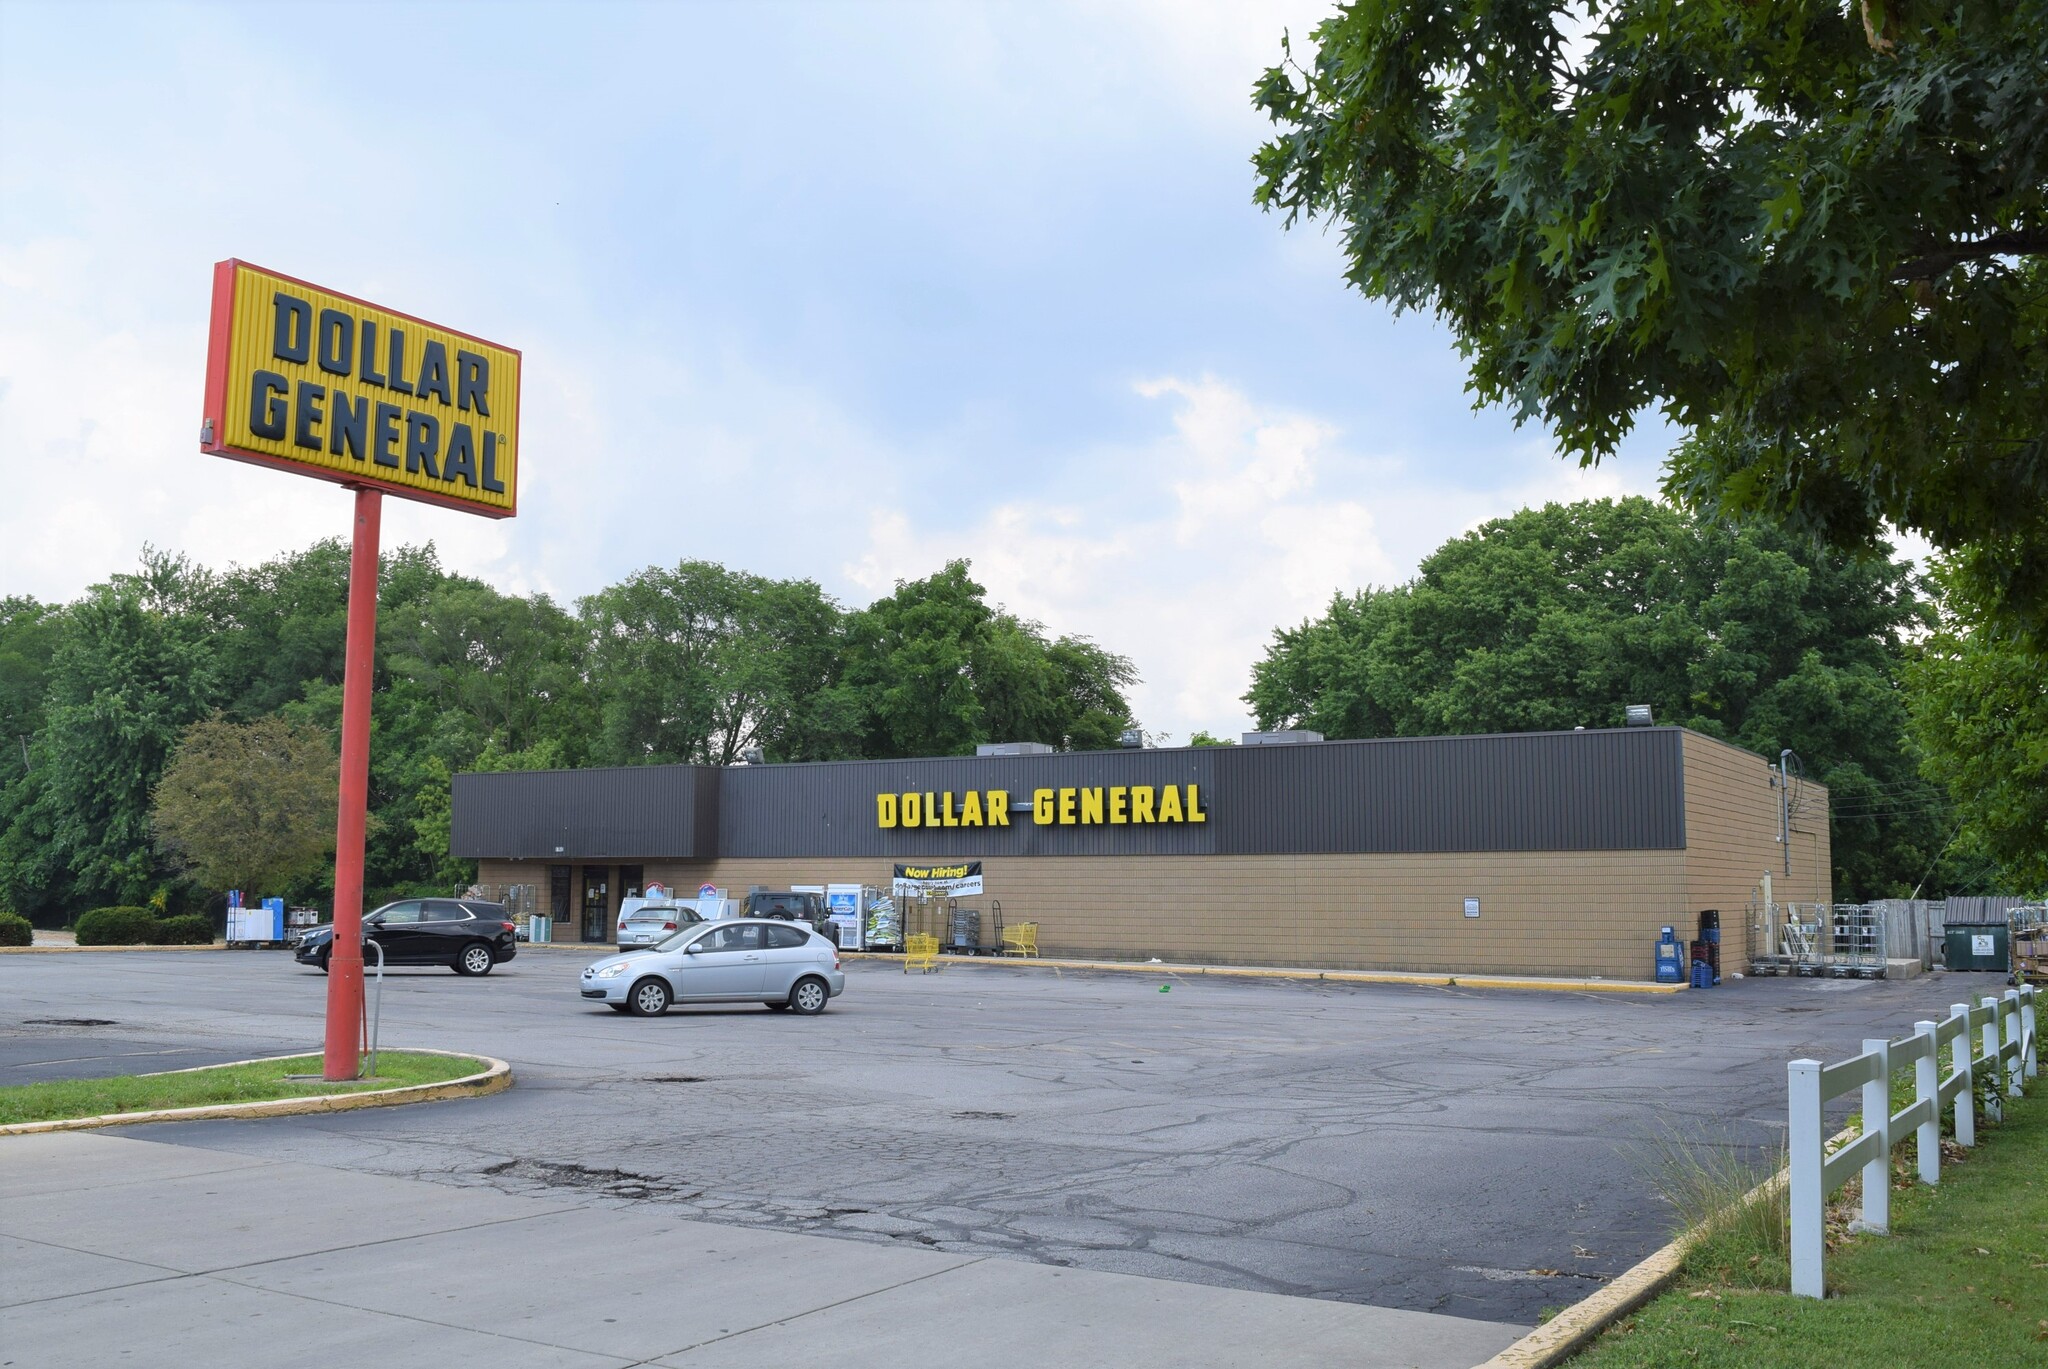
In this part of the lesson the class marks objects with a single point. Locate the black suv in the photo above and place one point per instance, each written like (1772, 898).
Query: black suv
(467, 935)
(785, 906)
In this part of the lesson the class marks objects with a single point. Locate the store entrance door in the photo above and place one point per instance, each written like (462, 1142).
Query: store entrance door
(597, 903)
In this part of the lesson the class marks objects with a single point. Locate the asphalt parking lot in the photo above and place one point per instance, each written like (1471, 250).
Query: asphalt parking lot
(1480, 1153)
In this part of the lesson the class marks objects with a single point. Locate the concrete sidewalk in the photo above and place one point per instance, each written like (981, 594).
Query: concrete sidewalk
(117, 1250)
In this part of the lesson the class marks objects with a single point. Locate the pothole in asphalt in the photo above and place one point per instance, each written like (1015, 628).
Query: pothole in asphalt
(986, 1116)
(1513, 1275)
(612, 1183)
(69, 1022)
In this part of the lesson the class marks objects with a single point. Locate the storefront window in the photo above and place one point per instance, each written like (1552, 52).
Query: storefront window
(559, 880)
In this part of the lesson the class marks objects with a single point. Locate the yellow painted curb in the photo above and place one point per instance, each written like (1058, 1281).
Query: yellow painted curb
(1455, 981)
(496, 1079)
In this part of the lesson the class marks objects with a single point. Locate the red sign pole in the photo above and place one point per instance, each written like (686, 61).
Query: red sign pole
(345, 960)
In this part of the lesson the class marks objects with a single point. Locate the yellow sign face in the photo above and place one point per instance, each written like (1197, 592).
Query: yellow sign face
(1114, 805)
(331, 386)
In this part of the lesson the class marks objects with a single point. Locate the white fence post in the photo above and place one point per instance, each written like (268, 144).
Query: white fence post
(2015, 1073)
(1927, 1091)
(1963, 1050)
(1994, 1103)
(2029, 1024)
(1802, 1140)
(1877, 1120)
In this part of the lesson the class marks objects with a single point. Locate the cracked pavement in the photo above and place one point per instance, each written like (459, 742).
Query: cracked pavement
(1476, 1152)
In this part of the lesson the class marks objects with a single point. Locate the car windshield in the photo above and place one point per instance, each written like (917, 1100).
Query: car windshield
(683, 934)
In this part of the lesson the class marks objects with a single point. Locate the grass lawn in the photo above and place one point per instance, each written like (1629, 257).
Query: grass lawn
(67, 1098)
(1961, 1281)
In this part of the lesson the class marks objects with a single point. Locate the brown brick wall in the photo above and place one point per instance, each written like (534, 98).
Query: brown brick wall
(1556, 913)
(1731, 834)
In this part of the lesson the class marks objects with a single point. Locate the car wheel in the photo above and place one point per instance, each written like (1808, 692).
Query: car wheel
(324, 958)
(476, 958)
(809, 996)
(649, 998)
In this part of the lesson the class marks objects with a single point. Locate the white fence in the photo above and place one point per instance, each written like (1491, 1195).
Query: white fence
(2006, 1030)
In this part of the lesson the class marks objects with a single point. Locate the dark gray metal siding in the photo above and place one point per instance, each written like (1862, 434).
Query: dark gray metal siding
(829, 809)
(1616, 790)
(1620, 789)
(614, 814)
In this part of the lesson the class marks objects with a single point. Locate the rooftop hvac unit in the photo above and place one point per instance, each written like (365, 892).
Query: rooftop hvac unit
(1293, 738)
(1013, 749)
(1638, 715)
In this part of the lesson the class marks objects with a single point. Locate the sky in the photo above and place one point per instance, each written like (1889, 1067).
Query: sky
(829, 290)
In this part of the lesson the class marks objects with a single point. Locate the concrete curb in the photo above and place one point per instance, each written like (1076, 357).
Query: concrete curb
(1573, 1329)
(494, 1079)
(1456, 981)
(67, 950)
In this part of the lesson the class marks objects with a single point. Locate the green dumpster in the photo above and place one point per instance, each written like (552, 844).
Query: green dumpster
(1975, 947)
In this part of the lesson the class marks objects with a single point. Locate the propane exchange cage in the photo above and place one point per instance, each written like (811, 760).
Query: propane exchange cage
(1817, 940)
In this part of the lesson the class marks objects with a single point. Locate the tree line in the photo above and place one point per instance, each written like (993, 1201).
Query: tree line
(1814, 240)
(142, 719)
(1930, 733)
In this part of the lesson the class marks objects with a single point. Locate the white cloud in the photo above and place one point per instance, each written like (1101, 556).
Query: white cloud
(1184, 553)
(1213, 50)
(667, 415)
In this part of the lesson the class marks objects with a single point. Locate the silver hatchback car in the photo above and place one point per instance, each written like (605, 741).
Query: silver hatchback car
(785, 965)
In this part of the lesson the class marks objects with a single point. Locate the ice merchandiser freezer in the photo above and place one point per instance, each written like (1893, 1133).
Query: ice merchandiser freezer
(843, 908)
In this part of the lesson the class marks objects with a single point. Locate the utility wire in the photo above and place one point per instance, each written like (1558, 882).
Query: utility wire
(1937, 858)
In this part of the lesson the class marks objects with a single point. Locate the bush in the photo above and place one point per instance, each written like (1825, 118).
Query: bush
(15, 930)
(117, 927)
(189, 929)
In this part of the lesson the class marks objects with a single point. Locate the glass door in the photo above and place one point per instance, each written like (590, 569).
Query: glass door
(597, 903)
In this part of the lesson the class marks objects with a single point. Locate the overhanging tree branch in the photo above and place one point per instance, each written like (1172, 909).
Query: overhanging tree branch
(2017, 243)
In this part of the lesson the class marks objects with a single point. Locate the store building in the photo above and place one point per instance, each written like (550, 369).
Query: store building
(1554, 853)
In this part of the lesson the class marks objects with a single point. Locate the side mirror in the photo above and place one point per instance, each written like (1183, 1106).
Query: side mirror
(694, 948)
